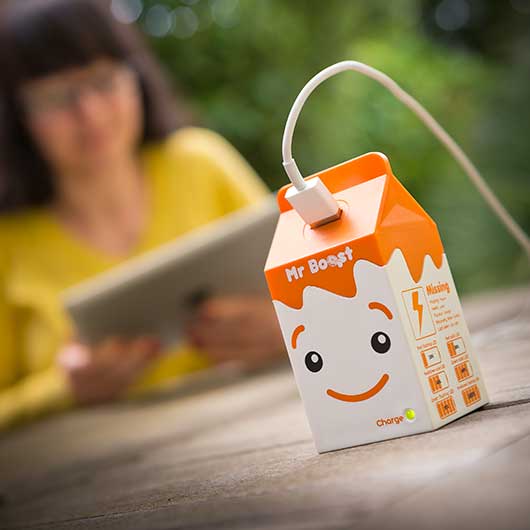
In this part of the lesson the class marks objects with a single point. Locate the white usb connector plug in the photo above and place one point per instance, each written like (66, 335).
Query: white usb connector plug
(314, 203)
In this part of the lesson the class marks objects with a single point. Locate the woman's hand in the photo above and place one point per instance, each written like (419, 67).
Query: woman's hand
(243, 328)
(104, 372)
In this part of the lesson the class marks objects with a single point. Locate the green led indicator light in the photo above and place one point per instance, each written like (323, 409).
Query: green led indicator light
(410, 414)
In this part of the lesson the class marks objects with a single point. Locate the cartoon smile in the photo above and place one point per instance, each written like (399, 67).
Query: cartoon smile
(353, 398)
(380, 343)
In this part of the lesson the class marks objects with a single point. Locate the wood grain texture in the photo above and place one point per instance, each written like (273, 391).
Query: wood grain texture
(489, 493)
(238, 454)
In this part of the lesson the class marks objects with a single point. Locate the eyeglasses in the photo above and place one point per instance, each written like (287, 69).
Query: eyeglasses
(64, 95)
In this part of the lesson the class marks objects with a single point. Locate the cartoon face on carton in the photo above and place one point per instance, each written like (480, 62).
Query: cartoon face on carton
(351, 361)
(369, 332)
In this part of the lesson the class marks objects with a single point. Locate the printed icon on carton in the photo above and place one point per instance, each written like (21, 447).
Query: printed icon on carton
(456, 347)
(438, 382)
(431, 357)
(463, 371)
(471, 395)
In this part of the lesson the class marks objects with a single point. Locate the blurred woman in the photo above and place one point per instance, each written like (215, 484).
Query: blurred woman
(97, 166)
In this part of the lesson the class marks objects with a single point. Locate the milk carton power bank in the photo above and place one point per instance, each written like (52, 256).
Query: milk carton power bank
(366, 303)
(370, 314)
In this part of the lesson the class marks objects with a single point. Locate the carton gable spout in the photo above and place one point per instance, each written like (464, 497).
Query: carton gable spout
(379, 216)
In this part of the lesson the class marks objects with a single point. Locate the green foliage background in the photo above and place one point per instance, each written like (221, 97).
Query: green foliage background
(242, 70)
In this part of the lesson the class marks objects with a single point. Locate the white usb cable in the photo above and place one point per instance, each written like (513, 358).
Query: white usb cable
(313, 200)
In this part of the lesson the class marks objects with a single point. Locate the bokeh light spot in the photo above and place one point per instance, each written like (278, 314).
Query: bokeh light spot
(225, 13)
(452, 15)
(158, 20)
(126, 11)
(185, 22)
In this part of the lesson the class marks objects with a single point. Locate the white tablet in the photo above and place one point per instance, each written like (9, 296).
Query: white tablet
(155, 292)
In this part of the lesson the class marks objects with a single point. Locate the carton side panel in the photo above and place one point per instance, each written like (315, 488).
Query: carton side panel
(440, 344)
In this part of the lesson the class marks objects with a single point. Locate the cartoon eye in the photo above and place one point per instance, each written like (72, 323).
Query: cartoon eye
(313, 361)
(380, 342)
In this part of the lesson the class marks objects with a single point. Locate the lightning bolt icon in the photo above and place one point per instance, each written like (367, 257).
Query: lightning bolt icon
(417, 307)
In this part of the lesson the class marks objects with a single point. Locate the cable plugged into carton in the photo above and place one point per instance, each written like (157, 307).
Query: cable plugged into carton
(315, 203)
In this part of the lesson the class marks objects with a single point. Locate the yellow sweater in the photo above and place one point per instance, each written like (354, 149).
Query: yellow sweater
(195, 176)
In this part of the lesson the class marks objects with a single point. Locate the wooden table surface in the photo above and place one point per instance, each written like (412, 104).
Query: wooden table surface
(237, 453)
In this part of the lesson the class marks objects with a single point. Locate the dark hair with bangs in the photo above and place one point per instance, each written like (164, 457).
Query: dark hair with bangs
(41, 37)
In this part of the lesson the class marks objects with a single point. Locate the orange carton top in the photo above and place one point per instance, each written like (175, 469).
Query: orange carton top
(379, 216)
